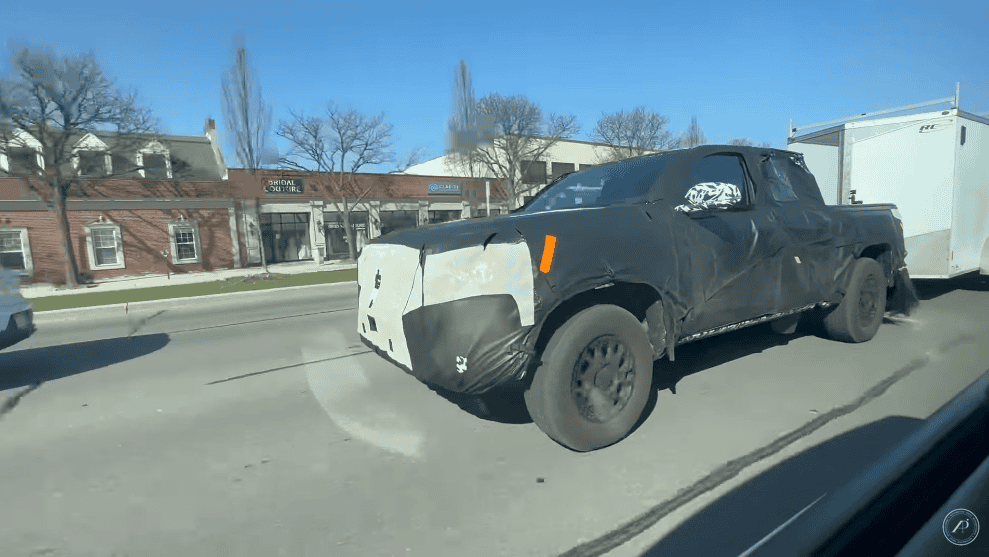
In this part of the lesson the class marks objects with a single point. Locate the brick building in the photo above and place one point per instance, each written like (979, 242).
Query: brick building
(184, 211)
(298, 215)
(173, 215)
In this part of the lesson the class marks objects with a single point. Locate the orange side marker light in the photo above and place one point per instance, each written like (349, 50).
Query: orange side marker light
(548, 250)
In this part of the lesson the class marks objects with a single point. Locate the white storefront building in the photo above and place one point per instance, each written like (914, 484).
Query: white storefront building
(564, 156)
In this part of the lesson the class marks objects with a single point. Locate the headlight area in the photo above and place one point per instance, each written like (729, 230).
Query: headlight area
(474, 271)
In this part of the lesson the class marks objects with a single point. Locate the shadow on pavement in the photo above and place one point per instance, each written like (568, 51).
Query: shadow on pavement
(508, 406)
(705, 354)
(928, 289)
(38, 365)
(744, 516)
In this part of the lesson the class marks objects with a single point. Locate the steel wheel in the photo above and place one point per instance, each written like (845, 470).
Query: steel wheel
(603, 379)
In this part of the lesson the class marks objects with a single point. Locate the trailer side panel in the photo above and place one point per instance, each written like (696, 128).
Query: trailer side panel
(910, 164)
(971, 200)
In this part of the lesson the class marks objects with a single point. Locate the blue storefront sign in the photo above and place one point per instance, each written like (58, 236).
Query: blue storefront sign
(437, 188)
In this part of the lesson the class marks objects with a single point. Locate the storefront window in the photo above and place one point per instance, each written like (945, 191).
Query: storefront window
(286, 237)
(336, 236)
(444, 216)
(392, 221)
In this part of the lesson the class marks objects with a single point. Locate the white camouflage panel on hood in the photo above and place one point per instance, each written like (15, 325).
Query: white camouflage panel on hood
(710, 195)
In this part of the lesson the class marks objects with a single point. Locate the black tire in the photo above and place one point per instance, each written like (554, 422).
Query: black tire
(567, 398)
(858, 316)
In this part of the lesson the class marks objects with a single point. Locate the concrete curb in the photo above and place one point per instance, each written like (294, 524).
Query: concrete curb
(31, 292)
(63, 314)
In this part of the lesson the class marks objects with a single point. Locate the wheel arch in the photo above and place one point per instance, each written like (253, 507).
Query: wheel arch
(883, 254)
(639, 299)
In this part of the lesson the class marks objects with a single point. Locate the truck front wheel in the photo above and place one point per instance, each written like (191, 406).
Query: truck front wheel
(594, 379)
(858, 316)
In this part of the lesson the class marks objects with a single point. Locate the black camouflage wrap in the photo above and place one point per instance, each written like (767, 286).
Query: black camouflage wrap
(742, 251)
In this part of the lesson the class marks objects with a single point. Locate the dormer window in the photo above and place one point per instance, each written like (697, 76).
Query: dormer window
(155, 166)
(155, 162)
(92, 163)
(21, 154)
(22, 160)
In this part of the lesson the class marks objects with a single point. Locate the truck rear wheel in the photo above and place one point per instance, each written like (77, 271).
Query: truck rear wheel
(858, 316)
(594, 380)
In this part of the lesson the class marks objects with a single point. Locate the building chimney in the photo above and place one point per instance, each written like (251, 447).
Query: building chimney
(214, 140)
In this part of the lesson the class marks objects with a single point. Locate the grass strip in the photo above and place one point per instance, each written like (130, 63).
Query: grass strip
(245, 283)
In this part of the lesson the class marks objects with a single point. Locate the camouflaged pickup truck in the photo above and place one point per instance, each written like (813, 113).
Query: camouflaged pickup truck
(574, 295)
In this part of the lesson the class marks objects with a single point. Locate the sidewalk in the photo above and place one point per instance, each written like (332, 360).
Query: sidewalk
(148, 281)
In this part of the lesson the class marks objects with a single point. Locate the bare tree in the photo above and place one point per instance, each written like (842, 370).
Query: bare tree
(521, 137)
(741, 142)
(463, 127)
(633, 133)
(766, 145)
(337, 147)
(413, 157)
(692, 136)
(46, 110)
(248, 120)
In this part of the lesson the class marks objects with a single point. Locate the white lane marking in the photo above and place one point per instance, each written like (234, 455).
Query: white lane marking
(343, 390)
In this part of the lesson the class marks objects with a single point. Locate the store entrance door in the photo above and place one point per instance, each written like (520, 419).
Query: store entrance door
(286, 237)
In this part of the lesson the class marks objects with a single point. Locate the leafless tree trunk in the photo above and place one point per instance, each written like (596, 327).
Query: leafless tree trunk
(248, 120)
(50, 106)
(693, 136)
(464, 132)
(62, 224)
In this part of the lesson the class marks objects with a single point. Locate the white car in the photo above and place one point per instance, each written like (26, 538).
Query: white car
(16, 315)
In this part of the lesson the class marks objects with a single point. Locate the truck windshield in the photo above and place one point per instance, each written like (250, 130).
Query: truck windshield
(598, 187)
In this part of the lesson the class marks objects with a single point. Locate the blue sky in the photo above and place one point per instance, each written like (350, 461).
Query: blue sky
(743, 68)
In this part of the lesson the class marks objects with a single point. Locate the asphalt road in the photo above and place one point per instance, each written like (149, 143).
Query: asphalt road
(259, 425)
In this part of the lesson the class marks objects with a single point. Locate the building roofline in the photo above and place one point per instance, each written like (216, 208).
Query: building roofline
(313, 172)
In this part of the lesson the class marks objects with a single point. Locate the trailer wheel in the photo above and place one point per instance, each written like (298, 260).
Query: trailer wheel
(858, 316)
(594, 379)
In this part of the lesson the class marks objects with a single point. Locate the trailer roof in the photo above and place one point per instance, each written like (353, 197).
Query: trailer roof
(819, 136)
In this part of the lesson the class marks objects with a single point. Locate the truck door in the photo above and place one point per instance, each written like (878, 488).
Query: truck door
(730, 252)
(809, 253)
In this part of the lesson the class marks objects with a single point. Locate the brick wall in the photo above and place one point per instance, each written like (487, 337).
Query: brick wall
(144, 234)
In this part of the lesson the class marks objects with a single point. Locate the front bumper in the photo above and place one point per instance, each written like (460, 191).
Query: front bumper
(466, 346)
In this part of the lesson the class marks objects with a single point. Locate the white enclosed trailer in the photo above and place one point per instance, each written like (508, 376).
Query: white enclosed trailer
(933, 166)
